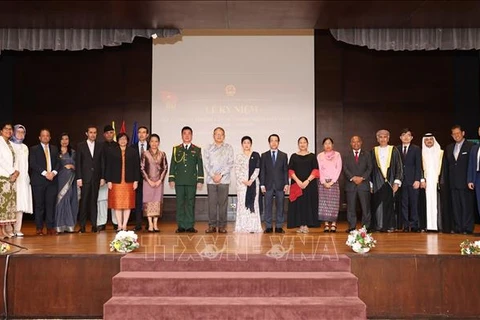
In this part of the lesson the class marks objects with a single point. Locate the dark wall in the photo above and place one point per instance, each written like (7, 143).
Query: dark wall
(359, 91)
(69, 90)
(6, 87)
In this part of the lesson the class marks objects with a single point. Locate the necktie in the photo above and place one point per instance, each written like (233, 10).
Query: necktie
(142, 148)
(47, 158)
(456, 151)
(186, 147)
(356, 156)
(404, 152)
(274, 158)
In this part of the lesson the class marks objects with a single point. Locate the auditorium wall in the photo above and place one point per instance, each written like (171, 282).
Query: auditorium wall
(357, 91)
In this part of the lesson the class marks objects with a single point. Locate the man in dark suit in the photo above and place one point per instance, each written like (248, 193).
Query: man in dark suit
(456, 157)
(140, 147)
(274, 182)
(412, 176)
(90, 176)
(44, 164)
(102, 202)
(357, 167)
(473, 176)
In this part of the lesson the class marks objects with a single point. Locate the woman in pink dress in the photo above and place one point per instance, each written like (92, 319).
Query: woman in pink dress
(330, 166)
(154, 167)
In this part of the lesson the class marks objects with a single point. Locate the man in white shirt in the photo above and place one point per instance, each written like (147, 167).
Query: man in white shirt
(218, 162)
(432, 160)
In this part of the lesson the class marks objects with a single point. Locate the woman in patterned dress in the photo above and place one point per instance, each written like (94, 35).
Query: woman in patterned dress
(330, 166)
(154, 167)
(122, 175)
(8, 176)
(247, 168)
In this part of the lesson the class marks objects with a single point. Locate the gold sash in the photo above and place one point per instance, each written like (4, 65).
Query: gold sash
(389, 158)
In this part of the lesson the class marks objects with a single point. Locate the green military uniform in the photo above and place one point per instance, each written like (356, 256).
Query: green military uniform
(186, 170)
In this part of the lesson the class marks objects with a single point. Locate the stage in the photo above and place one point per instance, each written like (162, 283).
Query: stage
(407, 275)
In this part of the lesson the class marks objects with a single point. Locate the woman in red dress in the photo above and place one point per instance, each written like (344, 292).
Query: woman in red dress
(122, 175)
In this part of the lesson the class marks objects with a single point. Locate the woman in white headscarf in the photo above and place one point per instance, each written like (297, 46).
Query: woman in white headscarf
(432, 156)
(24, 190)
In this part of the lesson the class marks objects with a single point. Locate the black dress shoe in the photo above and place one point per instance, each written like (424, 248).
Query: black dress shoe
(101, 228)
(191, 230)
(82, 230)
(279, 230)
(349, 230)
(115, 226)
(180, 230)
(94, 229)
(268, 230)
(406, 230)
(415, 230)
(138, 228)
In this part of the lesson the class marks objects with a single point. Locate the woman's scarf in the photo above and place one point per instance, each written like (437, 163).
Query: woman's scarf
(253, 164)
(15, 129)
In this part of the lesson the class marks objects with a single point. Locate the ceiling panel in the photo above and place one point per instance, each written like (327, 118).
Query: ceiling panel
(239, 14)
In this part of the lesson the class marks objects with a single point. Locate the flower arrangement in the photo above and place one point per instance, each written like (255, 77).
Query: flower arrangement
(4, 248)
(360, 241)
(125, 241)
(468, 247)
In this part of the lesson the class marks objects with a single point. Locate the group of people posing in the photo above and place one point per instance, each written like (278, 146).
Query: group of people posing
(412, 188)
(387, 182)
(62, 185)
(70, 185)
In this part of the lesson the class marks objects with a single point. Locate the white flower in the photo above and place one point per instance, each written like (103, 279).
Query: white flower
(360, 239)
(125, 241)
(356, 246)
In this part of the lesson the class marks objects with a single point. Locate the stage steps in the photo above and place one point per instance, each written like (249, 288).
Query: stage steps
(248, 287)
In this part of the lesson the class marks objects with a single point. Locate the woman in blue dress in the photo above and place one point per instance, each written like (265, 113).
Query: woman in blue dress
(67, 198)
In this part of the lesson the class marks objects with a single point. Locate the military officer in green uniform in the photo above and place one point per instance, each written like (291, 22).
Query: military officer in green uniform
(186, 175)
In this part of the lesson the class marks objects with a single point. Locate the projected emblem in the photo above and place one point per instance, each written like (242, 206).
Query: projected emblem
(230, 90)
(169, 99)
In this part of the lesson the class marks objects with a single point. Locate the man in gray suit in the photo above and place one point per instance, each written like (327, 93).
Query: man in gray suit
(274, 182)
(357, 167)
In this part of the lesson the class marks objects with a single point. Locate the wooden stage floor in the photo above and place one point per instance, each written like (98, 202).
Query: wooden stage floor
(169, 242)
(407, 275)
